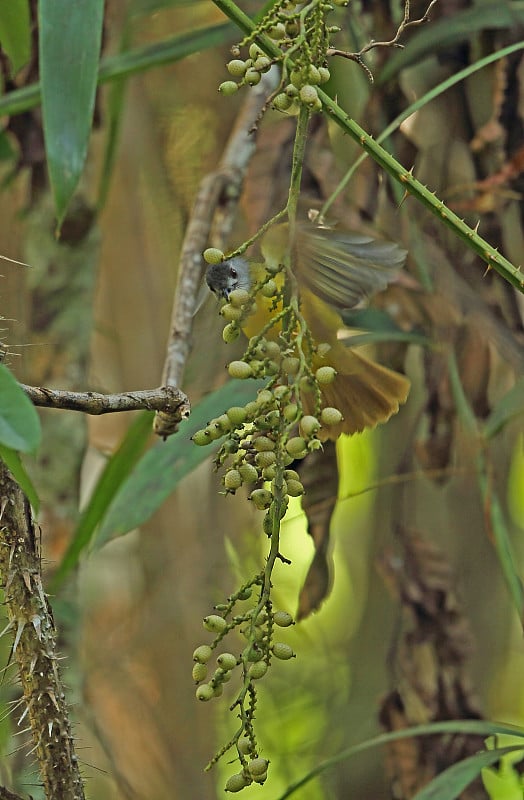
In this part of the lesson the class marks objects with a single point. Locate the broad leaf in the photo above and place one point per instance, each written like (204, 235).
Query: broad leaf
(69, 45)
(19, 422)
(163, 467)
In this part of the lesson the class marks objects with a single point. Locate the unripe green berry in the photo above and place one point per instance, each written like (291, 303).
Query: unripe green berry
(280, 392)
(291, 475)
(238, 297)
(283, 619)
(277, 32)
(290, 365)
(340, 3)
(325, 375)
(257, 670)
(214, 623)
(257, 766)
(313, 75)
(232, 480)
(218, 690)
(270, 289)
(230, 313)
(261, 498)
(262, 778)
(240, 370)
(251, 409)
(264, 397)
(268, 473)
(205, 692)
(236, 67)
(291, 91)
(255, 51)
(262, 64)
(252, 653)
(230, 333)
(282, 102)
(309, 426)
(199, 672)
(236, 415)
(252, 77)
(213, 255)
(296, 446)
(244, 745)
(308, 94)
(248, 473)
(330, 416)
(228, 88)
(226, 661)
(296, 78)
(295, 488)
(202, 654)
(263, 444)
(267, 525)
(237, 782)
(265, 459)
(202, 437)
(290, 412)
(325, 74)
(282, 650)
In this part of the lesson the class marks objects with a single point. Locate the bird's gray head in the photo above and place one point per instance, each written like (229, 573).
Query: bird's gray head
(232, 274)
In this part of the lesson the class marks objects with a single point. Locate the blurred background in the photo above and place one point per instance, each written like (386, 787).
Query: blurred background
(419, 624)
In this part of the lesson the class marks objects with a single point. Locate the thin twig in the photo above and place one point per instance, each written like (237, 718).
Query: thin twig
(165, 398)
(394, 42)
(218, 192)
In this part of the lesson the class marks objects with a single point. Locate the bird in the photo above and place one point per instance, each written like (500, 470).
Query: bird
(334, 270)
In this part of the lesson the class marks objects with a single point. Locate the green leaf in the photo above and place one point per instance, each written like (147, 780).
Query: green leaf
(19, 422)
(163, 467)
(510, 406)
(14, 464)
(15, 33)
(450, 783)
(69, 49)
(448, 31)
(115, 472)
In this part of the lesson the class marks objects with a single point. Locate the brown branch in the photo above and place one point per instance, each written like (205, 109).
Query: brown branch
(218, 191)
(166, 399)
(394, 42)
(34, 645)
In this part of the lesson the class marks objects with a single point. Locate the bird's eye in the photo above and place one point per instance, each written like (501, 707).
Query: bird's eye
(233, 272)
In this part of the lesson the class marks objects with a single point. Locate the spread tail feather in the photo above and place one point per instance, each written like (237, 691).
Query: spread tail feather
(367, 395)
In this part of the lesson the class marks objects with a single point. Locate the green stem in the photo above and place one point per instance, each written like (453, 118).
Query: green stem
(488, 253)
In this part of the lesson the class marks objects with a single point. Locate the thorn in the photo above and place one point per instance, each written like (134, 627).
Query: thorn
(27, 580)
(19, 632)
(37, 625)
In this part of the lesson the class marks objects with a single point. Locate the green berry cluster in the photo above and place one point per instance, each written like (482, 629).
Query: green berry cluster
(297, 38)
(257, 626)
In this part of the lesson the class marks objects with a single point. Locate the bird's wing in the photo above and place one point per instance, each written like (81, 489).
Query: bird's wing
(344, 268)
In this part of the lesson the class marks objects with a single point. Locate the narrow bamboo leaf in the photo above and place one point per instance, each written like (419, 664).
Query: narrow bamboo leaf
(472, 727)
(15, 34)
(19, 422)
(510, 406)
(459, 27)
(375, 337)
(69, 48)
(139, 59)
(450, 783)
(115, 472)
(163, 467)
(14, 464)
